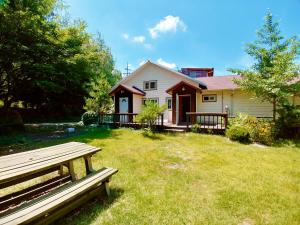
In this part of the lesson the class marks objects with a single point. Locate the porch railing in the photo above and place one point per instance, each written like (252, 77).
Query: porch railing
(126, 120)
(207, 121)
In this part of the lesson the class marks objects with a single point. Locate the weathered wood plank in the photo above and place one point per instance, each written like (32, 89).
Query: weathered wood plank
(44, 159)
(33, 156)
(52, 201)
(37, 167)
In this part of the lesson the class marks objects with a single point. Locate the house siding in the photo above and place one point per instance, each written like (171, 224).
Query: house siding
(237, 101)
(164, 79)
(137, 103)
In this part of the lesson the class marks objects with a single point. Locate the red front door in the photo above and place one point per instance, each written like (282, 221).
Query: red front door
(184, 107)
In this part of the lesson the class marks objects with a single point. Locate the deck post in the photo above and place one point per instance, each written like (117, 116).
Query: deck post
(162, 120)
(226, 120)
(187, 122)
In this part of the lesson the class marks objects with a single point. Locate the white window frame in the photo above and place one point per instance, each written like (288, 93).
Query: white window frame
(149, 85)
(167, 102)
(211, 98)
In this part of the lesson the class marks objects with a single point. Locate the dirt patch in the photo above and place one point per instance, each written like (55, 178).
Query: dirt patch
(175, 166)
(247, 221)
(259, 145)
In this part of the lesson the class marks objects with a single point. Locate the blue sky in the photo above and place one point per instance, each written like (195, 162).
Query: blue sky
(187, 33)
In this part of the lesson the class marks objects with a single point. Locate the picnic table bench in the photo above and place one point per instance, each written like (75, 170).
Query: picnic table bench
(45, 202)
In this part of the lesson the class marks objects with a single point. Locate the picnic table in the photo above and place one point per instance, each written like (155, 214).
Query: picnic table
(49, 200)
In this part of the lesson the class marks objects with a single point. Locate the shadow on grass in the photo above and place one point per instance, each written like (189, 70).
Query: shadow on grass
(91, 210)
(152, 135)
(287, 143)
(26, 141)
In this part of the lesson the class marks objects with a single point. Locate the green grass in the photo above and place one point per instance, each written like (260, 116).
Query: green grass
(190, 179)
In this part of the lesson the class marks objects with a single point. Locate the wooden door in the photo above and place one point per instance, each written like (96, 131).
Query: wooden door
(184, 107)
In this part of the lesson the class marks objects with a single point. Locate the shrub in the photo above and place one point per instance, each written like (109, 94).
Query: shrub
(89, 117)
(288, 122)
(238, 133)
(196, 128)
(259, 130)
(149, 113)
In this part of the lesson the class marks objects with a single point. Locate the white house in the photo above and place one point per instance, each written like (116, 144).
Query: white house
(195, 91)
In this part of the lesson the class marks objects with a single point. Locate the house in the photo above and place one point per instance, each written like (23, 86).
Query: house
(190, 90)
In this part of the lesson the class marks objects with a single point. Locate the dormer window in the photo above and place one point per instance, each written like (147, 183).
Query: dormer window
(150, 85)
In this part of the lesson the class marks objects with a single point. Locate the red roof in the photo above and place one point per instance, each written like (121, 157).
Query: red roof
(133, 89)
(219, 82)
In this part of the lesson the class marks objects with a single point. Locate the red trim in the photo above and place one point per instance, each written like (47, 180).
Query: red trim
(121, 86)
(180, 84)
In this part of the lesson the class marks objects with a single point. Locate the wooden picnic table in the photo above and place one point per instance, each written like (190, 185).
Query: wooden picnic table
(45, 202)
(24, 166)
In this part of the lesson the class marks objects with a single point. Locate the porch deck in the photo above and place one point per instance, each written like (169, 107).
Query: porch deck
(215, 122)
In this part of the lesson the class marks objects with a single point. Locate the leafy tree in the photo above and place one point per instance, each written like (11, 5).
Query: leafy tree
(99, 100)
(47, 62)
(274, 70)
(149, 113)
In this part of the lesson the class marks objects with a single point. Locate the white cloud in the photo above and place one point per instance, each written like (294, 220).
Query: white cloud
(168, 24)
(139, 39)
(166, 64)
(142, 62)
(125, 36)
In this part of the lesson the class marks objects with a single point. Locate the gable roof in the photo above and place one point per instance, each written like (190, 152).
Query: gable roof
(181, 83)
(133, 89)
(220, 82)
(175, 73)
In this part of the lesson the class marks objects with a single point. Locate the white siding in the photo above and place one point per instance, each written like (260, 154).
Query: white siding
(237, 101)
(165, 80)
(137, 103)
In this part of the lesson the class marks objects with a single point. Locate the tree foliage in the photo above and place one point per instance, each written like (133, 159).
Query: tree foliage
(149, 113)
(47, 62)
(274, 70)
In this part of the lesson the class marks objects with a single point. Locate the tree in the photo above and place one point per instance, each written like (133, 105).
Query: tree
(274, 70)
(149, 113)
(99, 100)
(48, 63)
(104, 76)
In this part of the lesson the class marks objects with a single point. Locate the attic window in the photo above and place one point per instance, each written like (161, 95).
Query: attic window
(150, 85)
(209, 98)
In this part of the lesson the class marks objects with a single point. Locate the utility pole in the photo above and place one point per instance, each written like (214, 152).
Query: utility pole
(127, 70)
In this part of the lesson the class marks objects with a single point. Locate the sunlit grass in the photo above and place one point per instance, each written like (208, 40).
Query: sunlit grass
(191, 179)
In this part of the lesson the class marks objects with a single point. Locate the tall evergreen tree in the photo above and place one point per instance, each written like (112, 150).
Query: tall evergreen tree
(274, 69)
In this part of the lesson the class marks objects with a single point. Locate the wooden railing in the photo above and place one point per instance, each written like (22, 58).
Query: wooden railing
(126, 120)
(208, 121)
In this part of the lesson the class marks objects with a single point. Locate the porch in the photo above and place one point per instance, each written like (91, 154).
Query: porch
(214, 122)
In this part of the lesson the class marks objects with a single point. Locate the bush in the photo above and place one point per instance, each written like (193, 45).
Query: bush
(238, 133)
(89, 117)
(259, 130)
(149, 113)
(288, 123)
(10, 120)
(196, 128)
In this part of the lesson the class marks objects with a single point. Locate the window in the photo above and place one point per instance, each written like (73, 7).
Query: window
(169, 103)
(209, 98)
(150, 85)
(156, 100)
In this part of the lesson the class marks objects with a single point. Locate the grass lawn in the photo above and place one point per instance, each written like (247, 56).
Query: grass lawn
(190, 179)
